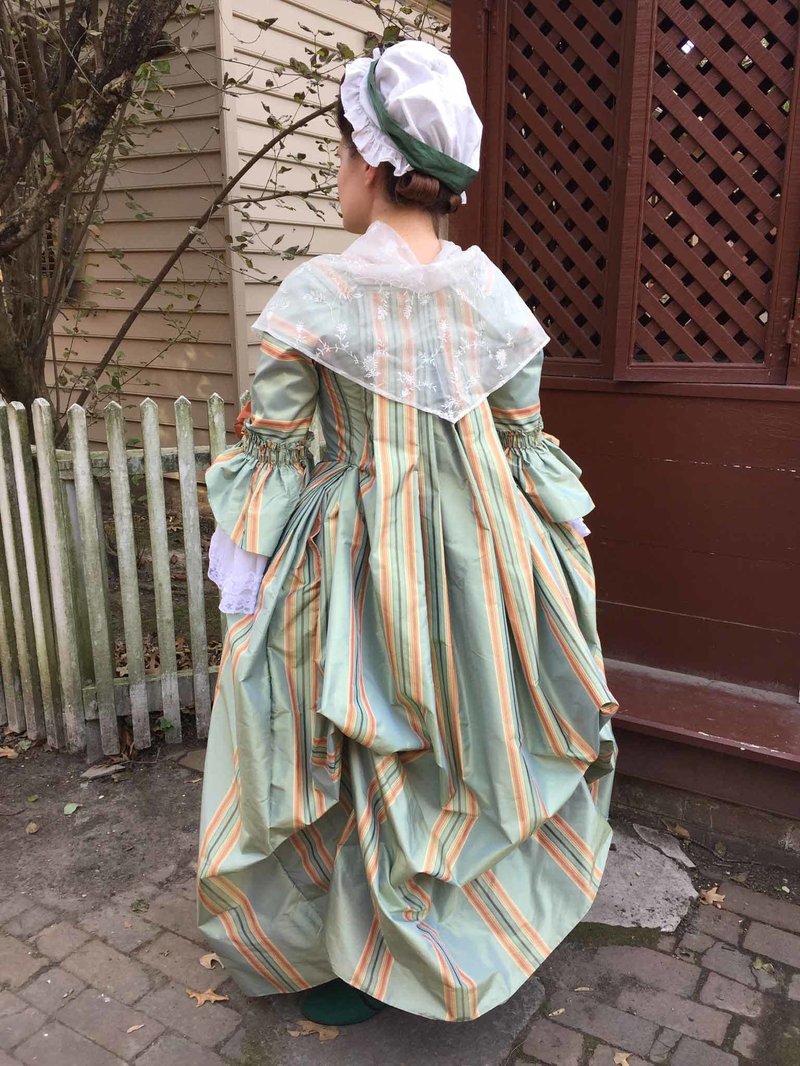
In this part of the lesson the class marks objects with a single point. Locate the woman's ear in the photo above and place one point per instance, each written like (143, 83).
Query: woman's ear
(370, 175)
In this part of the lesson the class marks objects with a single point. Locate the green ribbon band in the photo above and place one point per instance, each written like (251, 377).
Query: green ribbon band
(456, 176)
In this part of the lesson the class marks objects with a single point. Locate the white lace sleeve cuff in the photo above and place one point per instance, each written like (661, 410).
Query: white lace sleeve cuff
(579, 526)
(236, 572)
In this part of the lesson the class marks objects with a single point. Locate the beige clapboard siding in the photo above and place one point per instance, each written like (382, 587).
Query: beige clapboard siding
(348, 23)
(191, 267)
(173, 171)
(211, 326)
(113, 296)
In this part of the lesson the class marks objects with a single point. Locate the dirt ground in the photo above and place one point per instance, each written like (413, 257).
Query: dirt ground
(147, 816)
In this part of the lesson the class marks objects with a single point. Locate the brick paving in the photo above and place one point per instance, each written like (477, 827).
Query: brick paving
(725, 994)
(108, 988)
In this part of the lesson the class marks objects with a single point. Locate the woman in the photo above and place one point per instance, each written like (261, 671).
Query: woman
(410, 754)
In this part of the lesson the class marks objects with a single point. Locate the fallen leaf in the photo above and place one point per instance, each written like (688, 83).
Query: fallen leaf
(31, 828)
(8, 753)
(195, 780)
(139, 905)
(759, 964)
(555, 1013)
(209, 996)
(127, 924)
(710, 896)
(135, 1028)
(33, 798)
(307, 1028)
(679, 831)
(622, 1058)
(24, 744)
(208, 961)
(70, 808)
(583, 988)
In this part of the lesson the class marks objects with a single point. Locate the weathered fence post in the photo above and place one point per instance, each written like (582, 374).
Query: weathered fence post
(187, 471)
(217, 444)
(20, 601)
(36, 567)
(159, 550)
(13, 710)
(57, 669)
(61, 586)
(95, 584)
(128, 572)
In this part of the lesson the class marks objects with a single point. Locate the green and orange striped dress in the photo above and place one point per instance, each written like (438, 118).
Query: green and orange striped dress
(410, 757)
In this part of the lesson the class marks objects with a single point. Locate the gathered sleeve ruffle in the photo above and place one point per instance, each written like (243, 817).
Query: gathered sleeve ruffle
(545, 473)
(254, 486)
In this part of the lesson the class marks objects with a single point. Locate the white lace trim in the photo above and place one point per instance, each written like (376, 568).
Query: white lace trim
(579, 526)
(470, 328)
(373, 145)
(237, 573)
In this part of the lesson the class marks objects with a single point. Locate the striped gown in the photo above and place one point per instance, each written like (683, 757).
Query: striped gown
(411, 755)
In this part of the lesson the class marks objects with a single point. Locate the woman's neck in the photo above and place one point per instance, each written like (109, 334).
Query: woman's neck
(415, 227)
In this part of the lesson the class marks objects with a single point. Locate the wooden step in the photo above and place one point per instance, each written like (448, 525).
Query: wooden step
(724, 741)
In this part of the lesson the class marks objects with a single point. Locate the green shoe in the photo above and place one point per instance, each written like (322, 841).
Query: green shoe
(338, 1003)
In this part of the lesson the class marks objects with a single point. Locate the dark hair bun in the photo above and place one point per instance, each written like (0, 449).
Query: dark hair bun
(422, 190)
(411, 189)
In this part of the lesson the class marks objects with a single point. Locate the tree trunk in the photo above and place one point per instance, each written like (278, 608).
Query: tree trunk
(21, 375)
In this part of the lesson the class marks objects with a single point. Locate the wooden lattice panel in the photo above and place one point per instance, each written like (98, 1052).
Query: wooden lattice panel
(563, 62)
(718, 131)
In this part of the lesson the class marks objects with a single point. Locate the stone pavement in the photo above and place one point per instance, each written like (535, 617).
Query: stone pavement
(88, 983)
(109, 987)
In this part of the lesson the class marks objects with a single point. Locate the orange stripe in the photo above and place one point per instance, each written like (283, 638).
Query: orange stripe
(525, 817)
(281, 423)
(226, 886)
(449, 986)
(517, 414)
(572, 836)
(332, 394)
(222, 809)
(301, 849)
(321, 847)
(384, 973)
(501, 936)
(363, 963)
(558, 857)
(519, 919)
(282, 355)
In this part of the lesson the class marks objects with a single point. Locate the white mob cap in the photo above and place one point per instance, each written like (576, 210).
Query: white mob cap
(424, 92)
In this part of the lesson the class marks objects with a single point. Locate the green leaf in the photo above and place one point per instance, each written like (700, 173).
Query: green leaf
(33, 798)
(345, 51)
(70, 808)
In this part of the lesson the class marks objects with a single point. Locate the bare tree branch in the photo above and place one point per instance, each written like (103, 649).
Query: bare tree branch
(192, 233)
(46, 116)
(281, 194)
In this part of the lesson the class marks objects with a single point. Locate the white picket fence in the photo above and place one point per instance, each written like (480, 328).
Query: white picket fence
(57, 671)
